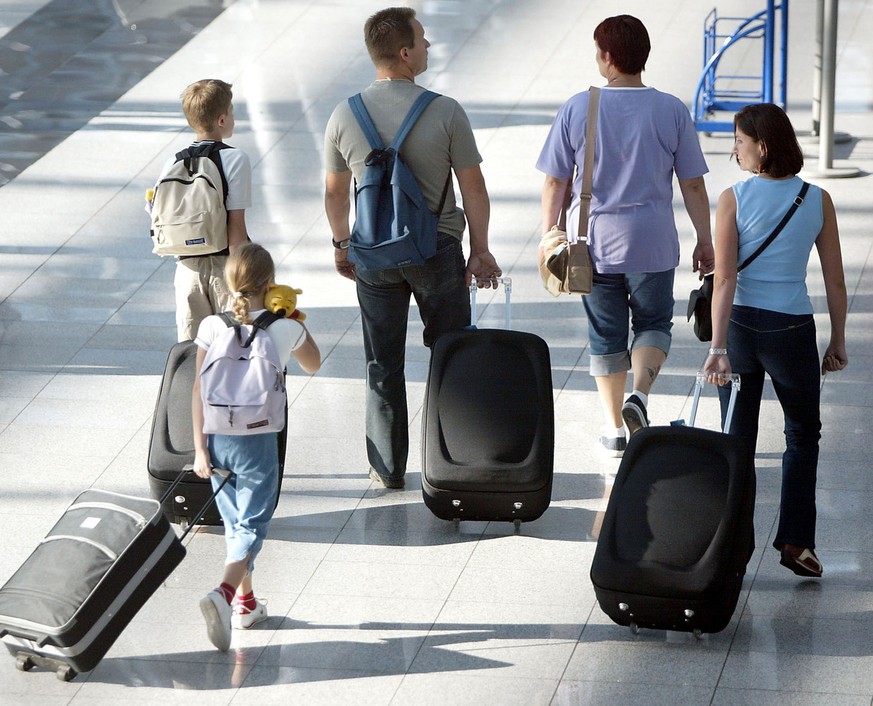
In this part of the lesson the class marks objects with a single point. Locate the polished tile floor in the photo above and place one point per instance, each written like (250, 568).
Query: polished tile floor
(373, 600)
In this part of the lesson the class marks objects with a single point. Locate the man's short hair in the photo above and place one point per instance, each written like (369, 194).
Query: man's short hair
(203, 102)
(387, 32)
(626, 40)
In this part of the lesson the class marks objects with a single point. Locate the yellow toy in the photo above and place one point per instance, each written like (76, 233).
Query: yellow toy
(282, 299)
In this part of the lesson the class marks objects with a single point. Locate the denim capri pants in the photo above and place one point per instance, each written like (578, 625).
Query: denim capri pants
(647, 297)
(248, 499)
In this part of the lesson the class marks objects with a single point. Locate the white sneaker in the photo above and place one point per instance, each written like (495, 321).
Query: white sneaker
(217, 613)
(243, 618)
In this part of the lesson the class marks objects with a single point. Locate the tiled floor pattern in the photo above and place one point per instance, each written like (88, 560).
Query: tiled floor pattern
(373, 600)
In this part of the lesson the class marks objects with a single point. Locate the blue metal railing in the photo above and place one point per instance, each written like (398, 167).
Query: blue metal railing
(712, 95)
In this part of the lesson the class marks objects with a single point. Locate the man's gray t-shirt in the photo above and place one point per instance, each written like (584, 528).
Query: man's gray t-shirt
(441, 139)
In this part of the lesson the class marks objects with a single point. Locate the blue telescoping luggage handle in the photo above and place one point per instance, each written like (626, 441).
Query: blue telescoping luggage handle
(507, 286)
(699, 382)
(366, 122)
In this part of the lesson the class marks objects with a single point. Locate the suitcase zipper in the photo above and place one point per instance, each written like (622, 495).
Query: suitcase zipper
(102, 547)
(141, 521)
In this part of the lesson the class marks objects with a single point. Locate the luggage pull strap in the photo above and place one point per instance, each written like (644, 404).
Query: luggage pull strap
(699, 382)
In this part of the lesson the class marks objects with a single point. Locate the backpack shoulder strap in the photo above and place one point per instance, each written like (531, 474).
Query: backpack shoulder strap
(412, 117)
(261, 323)
(210, 150)
(231, 322)
(359, 110)
(365, 121)
(266, 319)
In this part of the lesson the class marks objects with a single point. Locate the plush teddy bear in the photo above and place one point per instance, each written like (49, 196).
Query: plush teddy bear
(282, 299)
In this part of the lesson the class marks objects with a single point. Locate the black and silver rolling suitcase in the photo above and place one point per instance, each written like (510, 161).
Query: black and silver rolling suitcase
(69, 601)
(171, 447)
(678, 529)
(488, 428)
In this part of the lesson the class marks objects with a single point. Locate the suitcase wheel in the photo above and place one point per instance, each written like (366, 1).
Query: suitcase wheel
(65, 673)
(634, 628)
(25, 661)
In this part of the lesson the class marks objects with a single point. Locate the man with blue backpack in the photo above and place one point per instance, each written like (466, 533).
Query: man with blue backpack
(401, 144)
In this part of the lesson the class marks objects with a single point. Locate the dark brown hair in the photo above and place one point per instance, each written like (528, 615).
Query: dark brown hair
(768, 124)
(387, 32)
(627, 41)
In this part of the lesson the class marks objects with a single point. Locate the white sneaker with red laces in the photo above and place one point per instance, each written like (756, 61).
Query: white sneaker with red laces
(243, 618)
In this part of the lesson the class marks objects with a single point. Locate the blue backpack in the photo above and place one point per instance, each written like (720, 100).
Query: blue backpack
(393, 225)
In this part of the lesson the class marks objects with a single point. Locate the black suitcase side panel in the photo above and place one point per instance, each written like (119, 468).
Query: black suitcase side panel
(678, 530)
(81, 586)
(488, 426)
(171, 446)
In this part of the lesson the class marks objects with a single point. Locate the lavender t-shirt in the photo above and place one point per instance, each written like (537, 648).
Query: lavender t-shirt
(643, 137)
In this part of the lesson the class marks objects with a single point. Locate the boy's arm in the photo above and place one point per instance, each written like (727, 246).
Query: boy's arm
(236, 229)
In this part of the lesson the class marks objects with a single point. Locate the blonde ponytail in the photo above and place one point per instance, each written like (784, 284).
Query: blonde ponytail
(247, 272)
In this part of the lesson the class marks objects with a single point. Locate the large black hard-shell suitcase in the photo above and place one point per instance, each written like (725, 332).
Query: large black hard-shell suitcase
(488, 428)
(72, 597)
(678, 529)
(171, 448)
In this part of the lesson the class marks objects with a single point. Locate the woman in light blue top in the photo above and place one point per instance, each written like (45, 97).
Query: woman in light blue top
(762, 318)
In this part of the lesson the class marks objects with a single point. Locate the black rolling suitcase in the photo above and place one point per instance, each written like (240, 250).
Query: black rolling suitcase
(678, 529)
(71, 598)
(171, 448)
(488, 427)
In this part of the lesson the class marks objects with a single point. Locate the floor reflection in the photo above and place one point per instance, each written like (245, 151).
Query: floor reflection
(72, 59)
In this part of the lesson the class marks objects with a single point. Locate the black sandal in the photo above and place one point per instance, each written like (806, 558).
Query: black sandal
(802, 562)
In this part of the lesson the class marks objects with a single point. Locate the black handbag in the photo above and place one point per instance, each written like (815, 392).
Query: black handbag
(700, 301)
(700, 307)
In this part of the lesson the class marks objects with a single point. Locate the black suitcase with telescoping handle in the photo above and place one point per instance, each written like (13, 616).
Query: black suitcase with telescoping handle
(678, 529)
(71, 598)
(488, 426)
(171, 444)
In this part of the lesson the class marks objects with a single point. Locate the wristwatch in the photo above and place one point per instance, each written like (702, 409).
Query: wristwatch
(718, 351)
(342, 244)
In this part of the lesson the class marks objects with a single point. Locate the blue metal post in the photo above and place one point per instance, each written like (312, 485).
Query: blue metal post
(783, 57)
(767, 78)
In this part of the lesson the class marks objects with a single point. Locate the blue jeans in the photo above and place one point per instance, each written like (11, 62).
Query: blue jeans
(783, 346)
(443, 302)
(248, 500)
(647, 297)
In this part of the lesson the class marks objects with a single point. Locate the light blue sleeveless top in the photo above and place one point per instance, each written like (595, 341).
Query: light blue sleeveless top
(776, 280)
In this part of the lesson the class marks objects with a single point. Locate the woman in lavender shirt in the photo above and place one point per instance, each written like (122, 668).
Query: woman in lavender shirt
(644, 137)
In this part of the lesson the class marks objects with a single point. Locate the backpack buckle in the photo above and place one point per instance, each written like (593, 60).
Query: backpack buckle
(380, 155)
